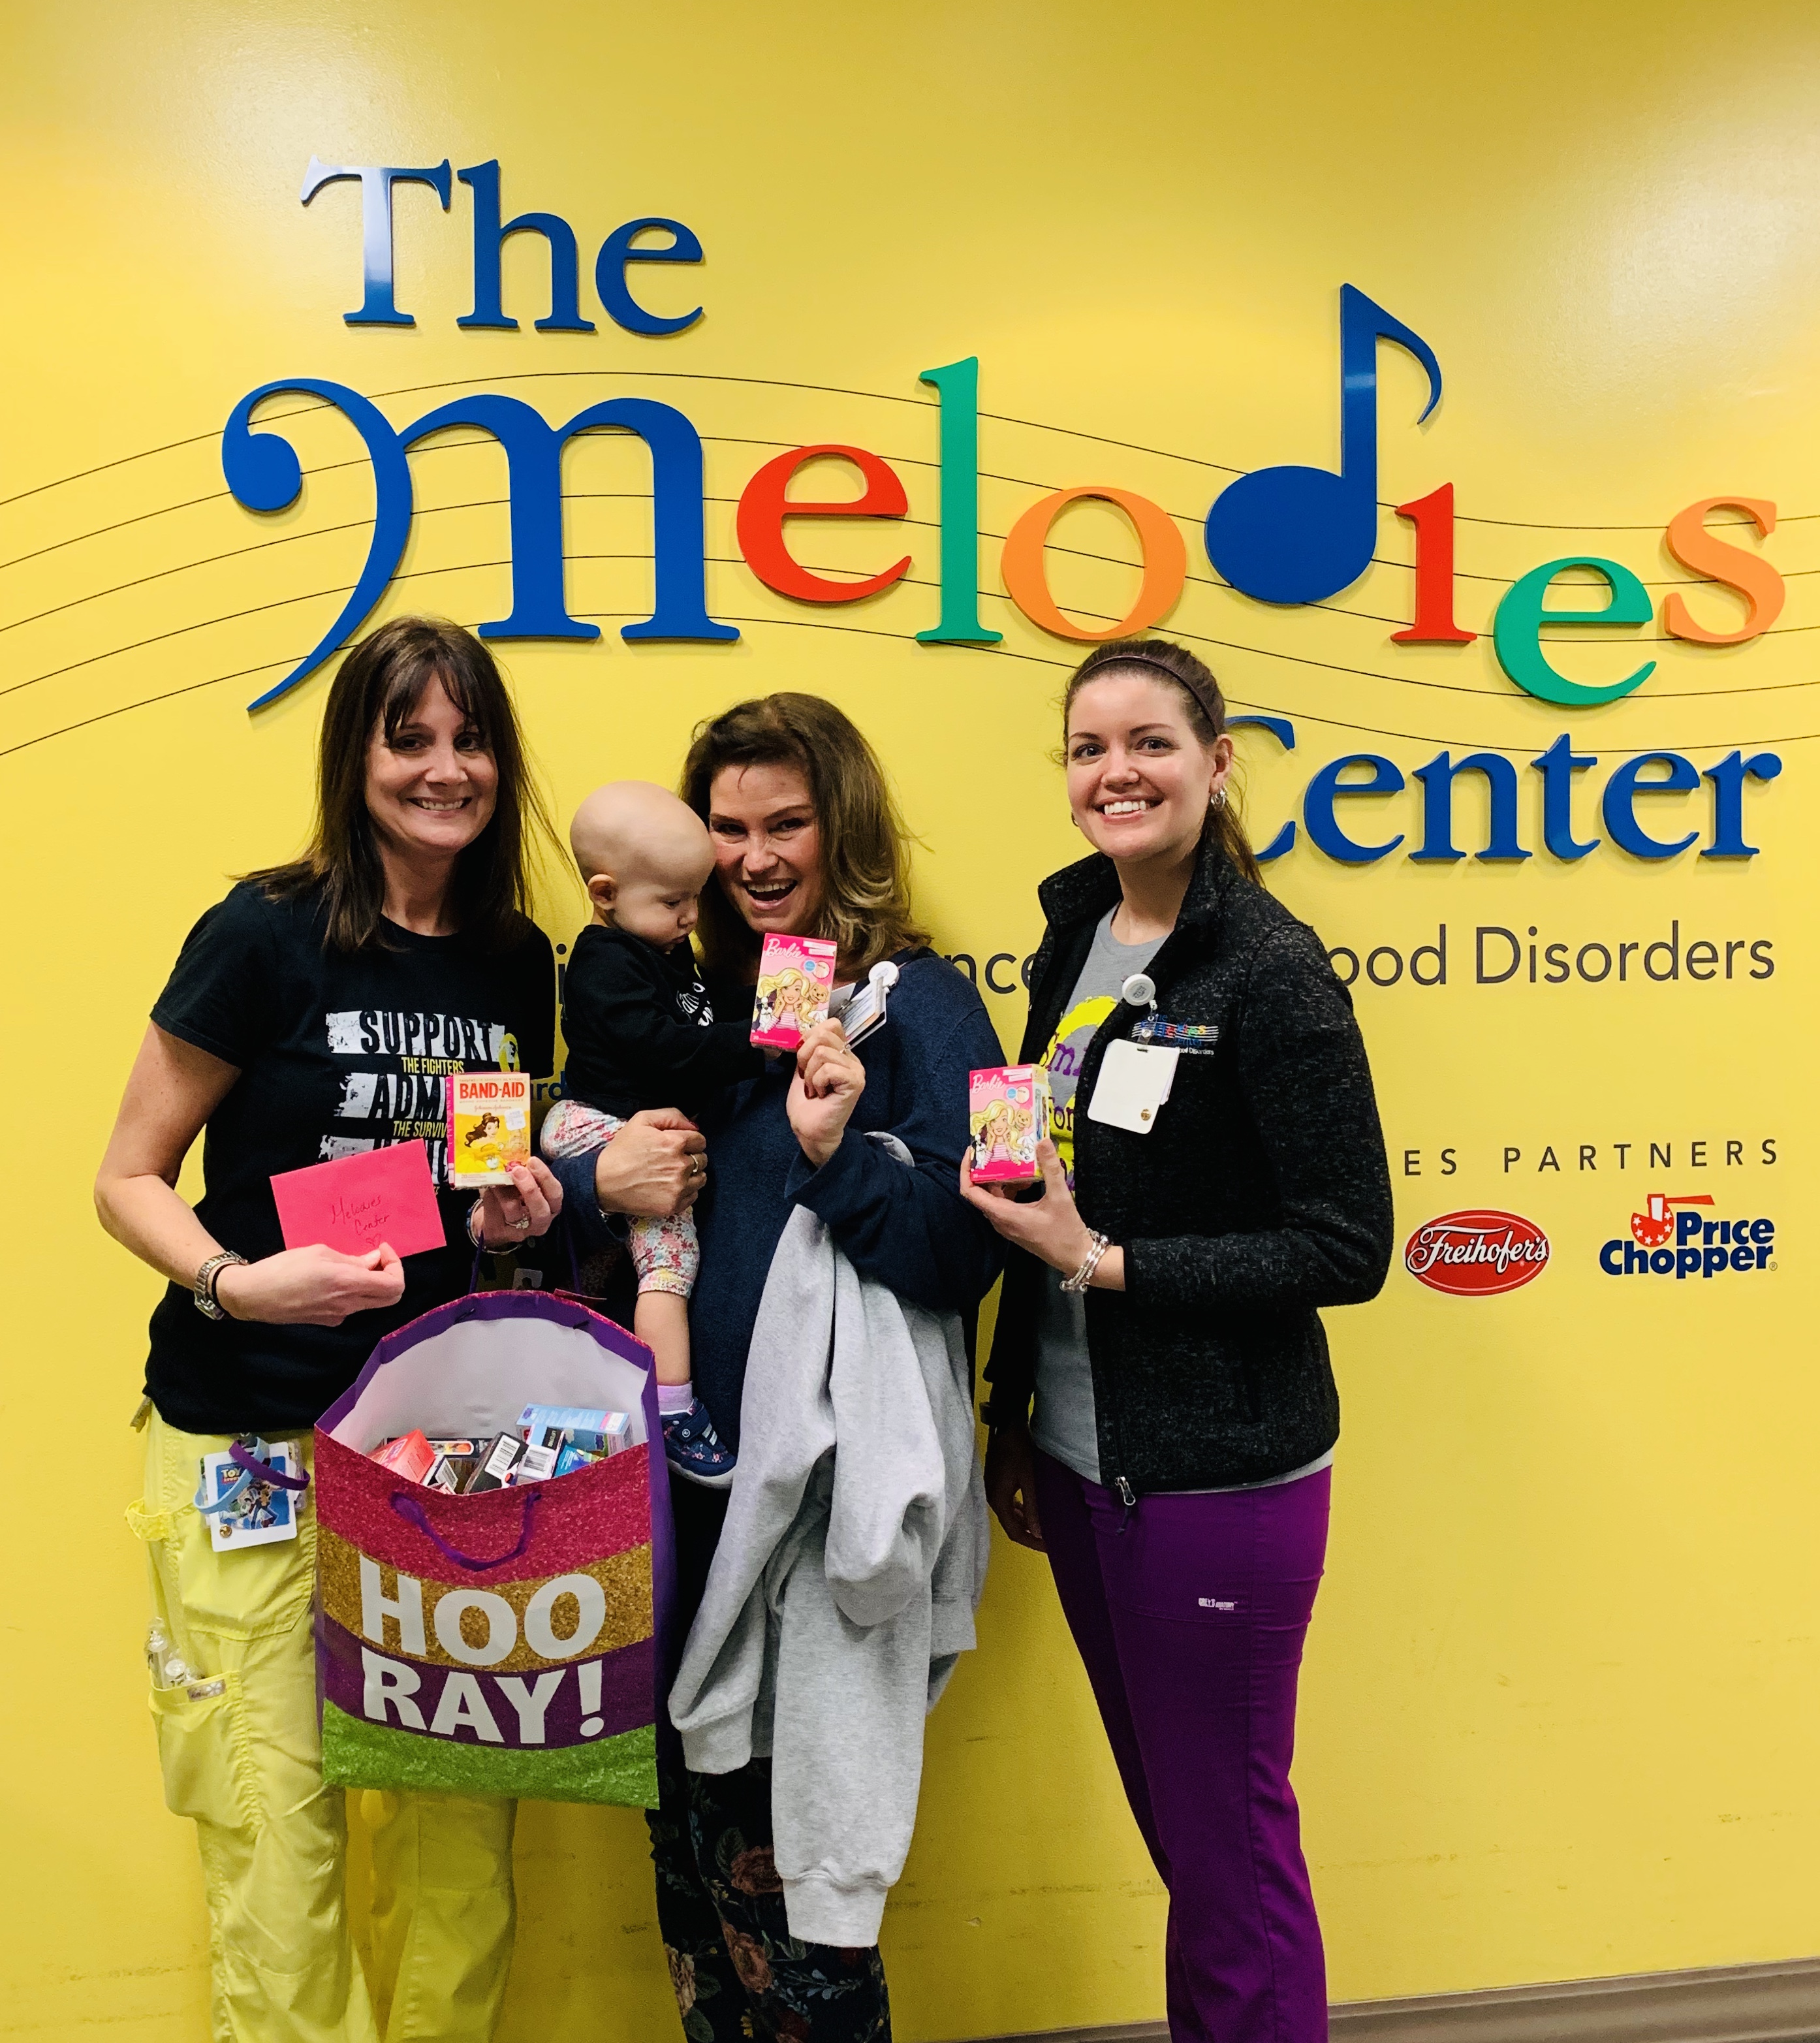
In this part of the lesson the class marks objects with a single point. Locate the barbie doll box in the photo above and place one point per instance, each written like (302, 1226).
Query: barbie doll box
(795, 982)
(1008, 1110)
(489, 1126)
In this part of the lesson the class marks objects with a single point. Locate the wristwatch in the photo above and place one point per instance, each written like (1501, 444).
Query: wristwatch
(206, 1279)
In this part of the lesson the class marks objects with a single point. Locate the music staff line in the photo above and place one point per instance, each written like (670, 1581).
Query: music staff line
(819, 624)
(1329, 606)
(1263, 652)
(880, 396)
(596, 495)
(1192, 522)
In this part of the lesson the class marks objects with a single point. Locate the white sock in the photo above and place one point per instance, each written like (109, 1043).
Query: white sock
(672, 1397)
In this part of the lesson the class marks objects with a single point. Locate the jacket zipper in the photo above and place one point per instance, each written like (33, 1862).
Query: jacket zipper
(1120, 1481)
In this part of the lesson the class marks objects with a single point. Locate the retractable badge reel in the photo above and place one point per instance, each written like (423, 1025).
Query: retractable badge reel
(1134, 1078)
(864, 1010)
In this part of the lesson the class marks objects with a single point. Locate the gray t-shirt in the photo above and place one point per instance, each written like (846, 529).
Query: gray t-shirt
(1062, 1424)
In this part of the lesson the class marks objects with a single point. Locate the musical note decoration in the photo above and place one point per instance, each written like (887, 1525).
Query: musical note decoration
(1292, 534)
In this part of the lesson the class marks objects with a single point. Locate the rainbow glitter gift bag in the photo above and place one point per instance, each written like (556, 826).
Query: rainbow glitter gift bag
(510, 1643)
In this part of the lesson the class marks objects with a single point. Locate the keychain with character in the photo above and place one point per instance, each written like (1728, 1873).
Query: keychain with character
(248, 1494)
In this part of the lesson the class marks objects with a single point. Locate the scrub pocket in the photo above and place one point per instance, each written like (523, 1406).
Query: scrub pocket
(205, 1751)
(241, 1623)
(242, 1758)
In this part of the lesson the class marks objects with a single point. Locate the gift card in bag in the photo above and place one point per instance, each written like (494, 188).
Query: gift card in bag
(1133, 1082)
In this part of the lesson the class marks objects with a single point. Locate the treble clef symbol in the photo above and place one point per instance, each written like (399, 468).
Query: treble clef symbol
(1292, 534)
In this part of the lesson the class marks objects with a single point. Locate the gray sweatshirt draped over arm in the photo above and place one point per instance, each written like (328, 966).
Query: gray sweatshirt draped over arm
(844, 1585)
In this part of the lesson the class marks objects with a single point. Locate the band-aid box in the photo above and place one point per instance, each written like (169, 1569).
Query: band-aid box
(795, 982)
(1008, 1114)
(489, 1126)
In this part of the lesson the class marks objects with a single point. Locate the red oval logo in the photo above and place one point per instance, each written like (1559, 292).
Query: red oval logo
(1477, 1253)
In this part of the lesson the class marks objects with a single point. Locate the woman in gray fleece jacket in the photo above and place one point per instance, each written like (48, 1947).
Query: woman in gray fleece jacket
(1218, 1177)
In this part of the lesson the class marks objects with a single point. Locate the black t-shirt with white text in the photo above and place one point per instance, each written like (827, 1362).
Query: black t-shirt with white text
(338, 1053)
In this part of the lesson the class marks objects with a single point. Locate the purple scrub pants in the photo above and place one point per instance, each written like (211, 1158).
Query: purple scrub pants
(1189, 1613)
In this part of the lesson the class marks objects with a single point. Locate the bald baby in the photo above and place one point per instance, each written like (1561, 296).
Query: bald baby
(644, 856)
(642, 1037)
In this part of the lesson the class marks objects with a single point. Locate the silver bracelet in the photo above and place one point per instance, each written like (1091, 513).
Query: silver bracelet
(1084, 1276)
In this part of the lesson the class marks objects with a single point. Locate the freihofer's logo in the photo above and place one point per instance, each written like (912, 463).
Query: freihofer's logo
(1475, 1254)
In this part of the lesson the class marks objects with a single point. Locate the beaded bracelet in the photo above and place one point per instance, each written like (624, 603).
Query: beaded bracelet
(1084, 1276)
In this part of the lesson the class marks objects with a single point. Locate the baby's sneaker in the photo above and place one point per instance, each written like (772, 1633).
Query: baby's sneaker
(695, 1449)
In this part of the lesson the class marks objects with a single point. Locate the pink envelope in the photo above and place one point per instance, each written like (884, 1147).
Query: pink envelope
(358, 1201)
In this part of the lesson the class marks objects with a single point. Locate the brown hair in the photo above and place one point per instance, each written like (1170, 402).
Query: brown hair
(865, 847)
(379, 686)
(1206, 709)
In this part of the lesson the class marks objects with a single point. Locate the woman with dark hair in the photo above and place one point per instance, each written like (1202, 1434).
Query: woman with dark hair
(1217, 1176)
(808, 842)
(312, 1014)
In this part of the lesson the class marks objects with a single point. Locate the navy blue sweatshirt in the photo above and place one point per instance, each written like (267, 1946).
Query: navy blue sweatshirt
(908, 1229)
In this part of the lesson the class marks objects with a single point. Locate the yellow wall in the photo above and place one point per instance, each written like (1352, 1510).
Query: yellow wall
(1558, 1707)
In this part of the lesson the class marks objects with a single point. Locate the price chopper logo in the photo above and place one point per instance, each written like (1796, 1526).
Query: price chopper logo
(1475, 1254)
(1670, 1239)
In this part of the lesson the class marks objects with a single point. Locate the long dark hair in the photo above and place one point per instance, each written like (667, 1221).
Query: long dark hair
(865, 847)
(380, 684)
(1201, 698)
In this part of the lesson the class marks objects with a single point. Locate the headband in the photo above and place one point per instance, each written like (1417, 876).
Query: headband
(1214, 707)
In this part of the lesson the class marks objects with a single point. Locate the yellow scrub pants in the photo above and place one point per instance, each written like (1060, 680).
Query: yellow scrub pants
(241, 1756)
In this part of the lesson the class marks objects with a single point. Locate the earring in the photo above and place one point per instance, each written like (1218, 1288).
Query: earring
(1219, 800)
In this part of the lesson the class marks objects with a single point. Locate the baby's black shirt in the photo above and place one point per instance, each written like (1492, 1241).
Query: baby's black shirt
(641, 1030)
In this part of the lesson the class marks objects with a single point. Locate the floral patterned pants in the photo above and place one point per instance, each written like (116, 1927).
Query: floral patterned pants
(737, 1971)
(665, 1252)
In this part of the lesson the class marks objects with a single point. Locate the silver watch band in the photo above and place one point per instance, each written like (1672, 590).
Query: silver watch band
(206, 1279)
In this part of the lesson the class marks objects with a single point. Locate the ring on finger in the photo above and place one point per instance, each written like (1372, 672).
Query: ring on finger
(521, 1224)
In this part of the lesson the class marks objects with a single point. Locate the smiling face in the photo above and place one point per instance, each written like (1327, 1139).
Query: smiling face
(767, 847)
(1139, 779)
(431, 785)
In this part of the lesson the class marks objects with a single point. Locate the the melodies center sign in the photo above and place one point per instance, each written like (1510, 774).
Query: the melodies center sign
(1287, 536)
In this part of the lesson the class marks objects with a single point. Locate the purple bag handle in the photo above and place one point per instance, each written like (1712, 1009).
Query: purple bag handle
(408, 1508)
(242, 1458)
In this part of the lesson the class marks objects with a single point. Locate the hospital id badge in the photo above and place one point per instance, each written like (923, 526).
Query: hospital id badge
(861, 1012)
(1133, 1084)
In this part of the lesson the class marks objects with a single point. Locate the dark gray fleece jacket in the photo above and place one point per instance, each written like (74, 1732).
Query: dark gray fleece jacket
(1261, 1194)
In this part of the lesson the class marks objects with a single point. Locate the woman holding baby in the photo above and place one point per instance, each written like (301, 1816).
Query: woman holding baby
(804, 840)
